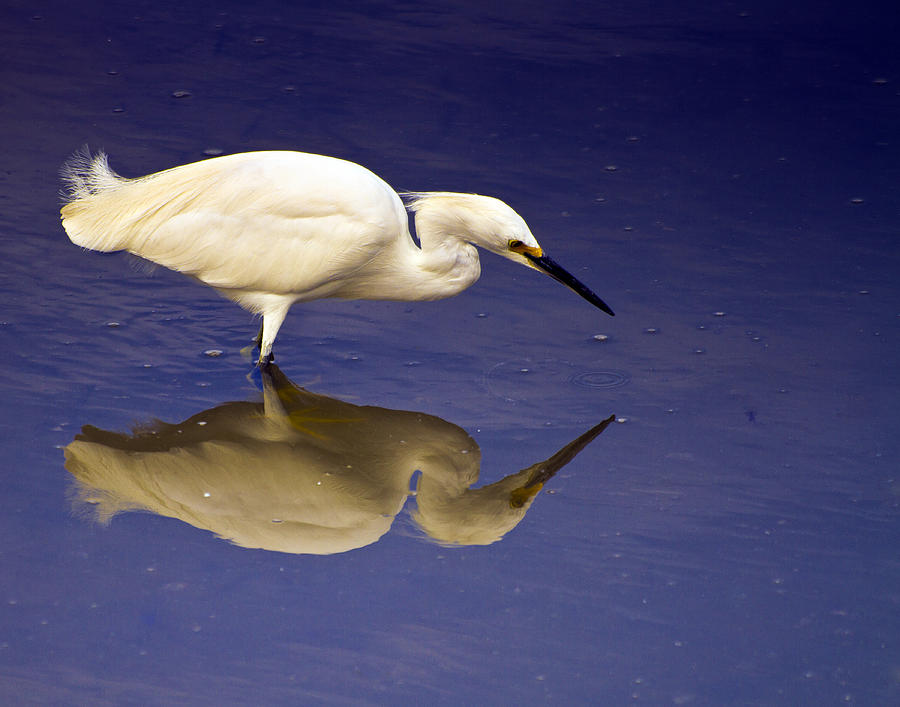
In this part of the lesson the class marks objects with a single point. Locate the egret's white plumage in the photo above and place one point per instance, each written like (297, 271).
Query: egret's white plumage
(268, 229)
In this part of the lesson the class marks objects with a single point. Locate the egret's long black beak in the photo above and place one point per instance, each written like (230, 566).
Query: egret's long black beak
(557, 272)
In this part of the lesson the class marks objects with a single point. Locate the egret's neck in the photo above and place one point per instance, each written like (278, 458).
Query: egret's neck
(443, 268)
(408, 272)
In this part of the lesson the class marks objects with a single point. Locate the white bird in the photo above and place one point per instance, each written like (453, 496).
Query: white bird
(268, 229)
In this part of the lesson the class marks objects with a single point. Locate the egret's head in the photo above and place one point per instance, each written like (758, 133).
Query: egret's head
(481, 220)
(491, 224)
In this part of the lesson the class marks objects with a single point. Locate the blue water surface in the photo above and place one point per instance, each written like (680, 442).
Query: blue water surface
(724, 175)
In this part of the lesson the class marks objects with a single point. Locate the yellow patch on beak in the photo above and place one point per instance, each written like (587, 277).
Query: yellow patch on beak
(519, 497)
(519, 247)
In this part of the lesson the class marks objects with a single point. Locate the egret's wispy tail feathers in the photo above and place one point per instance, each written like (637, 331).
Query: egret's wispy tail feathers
(85, 175)
(88, 178)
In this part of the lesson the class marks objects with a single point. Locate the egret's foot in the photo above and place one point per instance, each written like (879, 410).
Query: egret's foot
(264, 361)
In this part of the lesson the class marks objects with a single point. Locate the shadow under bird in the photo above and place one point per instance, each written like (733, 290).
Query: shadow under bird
(268, 229)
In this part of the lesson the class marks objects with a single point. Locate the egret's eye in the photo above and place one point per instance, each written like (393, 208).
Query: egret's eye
(516, 246)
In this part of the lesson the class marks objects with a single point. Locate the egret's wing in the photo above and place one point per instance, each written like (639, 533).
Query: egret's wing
(280, 222)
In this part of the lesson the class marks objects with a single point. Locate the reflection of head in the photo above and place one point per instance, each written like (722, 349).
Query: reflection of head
(301, 473)
(483, 516)
(475, 517)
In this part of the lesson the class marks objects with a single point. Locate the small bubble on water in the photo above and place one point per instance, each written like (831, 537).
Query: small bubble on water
(651, 330)
(213, 353)
(621, 420)
(601, 337)
(113, 325)
(857, 200)
(181, 93)
(611, 168)
(718, 314)
(699, 351)
(213, 151)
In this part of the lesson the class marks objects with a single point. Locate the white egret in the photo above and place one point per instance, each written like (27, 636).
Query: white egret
(268, 229)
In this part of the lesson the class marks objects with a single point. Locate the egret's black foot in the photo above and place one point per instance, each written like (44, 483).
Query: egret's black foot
(264, 361)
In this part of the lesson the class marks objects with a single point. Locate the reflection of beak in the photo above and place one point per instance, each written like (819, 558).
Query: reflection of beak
(558, 273)
(544, 471)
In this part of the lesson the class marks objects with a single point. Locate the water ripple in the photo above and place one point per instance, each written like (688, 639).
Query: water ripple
(601, 379)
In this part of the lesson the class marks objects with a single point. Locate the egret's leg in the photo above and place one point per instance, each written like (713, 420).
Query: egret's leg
(272, 320)
(258, 338)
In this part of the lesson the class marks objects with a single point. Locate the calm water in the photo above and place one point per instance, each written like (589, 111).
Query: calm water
(727, 179)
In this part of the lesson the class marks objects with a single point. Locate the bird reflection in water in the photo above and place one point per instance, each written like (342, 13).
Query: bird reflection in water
(304, 473)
